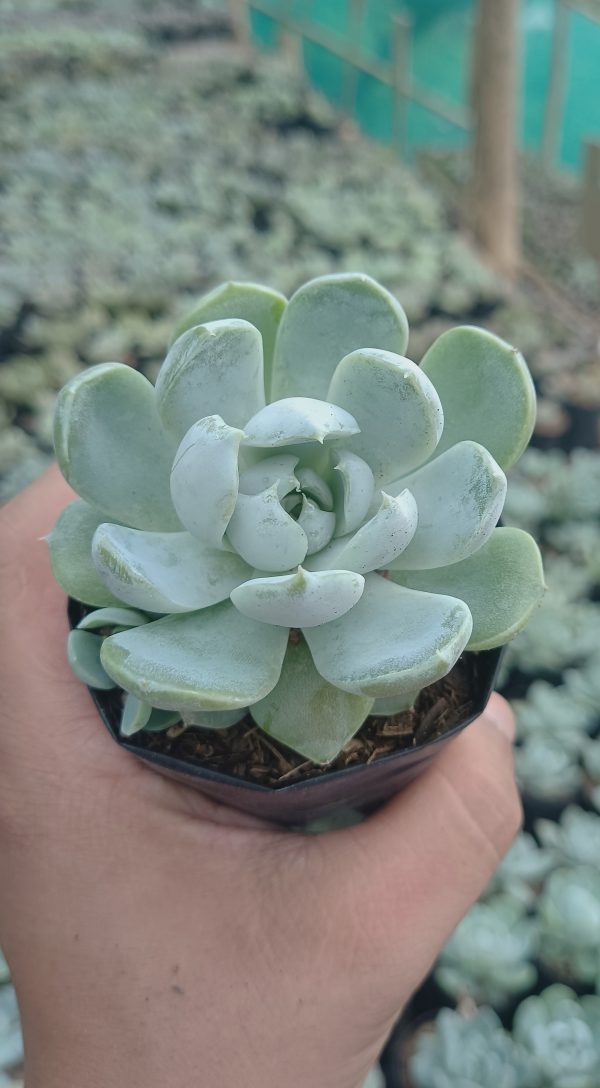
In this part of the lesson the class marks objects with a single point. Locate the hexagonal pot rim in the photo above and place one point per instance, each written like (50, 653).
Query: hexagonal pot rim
(360, 785)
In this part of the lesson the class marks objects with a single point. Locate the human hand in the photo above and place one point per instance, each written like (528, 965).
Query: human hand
(158, 939)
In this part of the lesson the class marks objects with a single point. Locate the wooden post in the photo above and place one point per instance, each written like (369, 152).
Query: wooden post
(240, 20)
(494, 190)
(590, 209)
(557, 85)
(290, 43)
(401, 64)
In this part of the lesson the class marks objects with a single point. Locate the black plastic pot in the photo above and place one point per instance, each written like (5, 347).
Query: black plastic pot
(361, 786)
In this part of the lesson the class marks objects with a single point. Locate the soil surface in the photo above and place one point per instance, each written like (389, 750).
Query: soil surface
(244, 751)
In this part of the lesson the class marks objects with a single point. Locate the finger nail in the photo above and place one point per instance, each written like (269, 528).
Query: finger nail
(499, 713)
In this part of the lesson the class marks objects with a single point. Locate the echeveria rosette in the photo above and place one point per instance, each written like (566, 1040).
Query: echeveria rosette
(561, 1032)
(289, 456)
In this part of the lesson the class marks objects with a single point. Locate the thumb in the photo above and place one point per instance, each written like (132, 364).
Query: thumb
(415, 867)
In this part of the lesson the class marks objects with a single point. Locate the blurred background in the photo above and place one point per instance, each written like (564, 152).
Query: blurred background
(451, 149)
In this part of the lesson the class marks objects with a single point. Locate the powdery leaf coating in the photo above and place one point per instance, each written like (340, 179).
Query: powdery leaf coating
(486, 392)
(164, 572)
(396, 407)
(111, 448)
(112, 617)
(302, 599)
(298, 419)
(215, 659)
(264, 534)
(394, 639)
(354, 486)
(326, 319)
(261, 306)
(459, 496)
(212, 370)
(70, 546)
(83, 654)
(502, 583)
(307, 713)
(379, 541)
(204, 479)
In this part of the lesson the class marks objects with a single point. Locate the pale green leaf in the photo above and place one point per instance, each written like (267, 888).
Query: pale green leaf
(261, 306)
(298, 420)
(204, 479)
(112, 617)
(272, 470)
(306, 713)
(326, 319)
(70, 546)
(317, 524)
(264, 534)
(354, 486)
(216, 659)
(396, 407)
(394, 704)
(314, 486)
(215, 719)
(83, 654)
(112, 449)
(164, 572)
(213, 369)
(502, 584)
(135, 716)
(486, 392)
(459, 496)
(379, 541)
(302, 599)
(393, 641)
(161, 720)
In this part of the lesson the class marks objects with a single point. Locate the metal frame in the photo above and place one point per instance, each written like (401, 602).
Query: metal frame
(395, 74)
(558, 75)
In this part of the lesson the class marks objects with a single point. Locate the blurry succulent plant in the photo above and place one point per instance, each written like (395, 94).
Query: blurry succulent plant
(11, 1041)
(561, 634)
(547, 769)
(550, 711)
(562, 1033)
(471, 1052)
(488, 957)
(575, 839)
(375, 1078)
(569, 924)
(288, 455)
(591, 763)
(522, 868)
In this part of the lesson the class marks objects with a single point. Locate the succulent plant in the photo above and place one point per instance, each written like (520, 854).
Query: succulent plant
(375, 1078)
(11, 1041)
(574, 839)
(521, 870)
(561, 634)
(591, 763)
(583, 686)
(471, 1052)
(235, 519)
(562, 1033)
(548, 770)
(569, 924)
(488, 957)
(550, 711)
